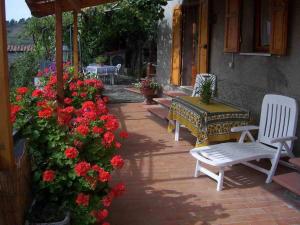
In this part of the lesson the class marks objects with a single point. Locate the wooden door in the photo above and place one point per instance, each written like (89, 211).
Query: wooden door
(203, 42)
(176, 46)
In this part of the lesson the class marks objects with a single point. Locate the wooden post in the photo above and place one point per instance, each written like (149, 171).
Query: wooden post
(75, 44)
(6, 141)
(59, 53)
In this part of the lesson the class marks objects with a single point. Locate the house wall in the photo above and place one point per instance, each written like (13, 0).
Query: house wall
(251, 77)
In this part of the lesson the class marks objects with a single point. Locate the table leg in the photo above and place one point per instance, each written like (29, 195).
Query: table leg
(177, 129)
(112, 80)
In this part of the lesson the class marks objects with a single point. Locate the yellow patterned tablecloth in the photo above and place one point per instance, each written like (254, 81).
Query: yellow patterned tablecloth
(207, 122)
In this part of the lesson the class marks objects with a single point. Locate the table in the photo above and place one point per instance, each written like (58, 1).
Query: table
(103, 70)
(208, 122)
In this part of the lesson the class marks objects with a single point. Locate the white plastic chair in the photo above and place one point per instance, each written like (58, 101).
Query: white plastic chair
(276, 134)
(200, 78)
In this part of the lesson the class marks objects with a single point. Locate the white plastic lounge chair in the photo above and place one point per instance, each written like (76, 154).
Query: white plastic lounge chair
(275, 139)
(200, 78)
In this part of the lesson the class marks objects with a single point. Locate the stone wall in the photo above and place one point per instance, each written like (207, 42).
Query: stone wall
(251, 77)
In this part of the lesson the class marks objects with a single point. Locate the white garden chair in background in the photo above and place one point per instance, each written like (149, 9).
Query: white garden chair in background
(200, 78)
(276, 133)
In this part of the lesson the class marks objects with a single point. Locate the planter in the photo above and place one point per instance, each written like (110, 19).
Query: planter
(65, 221)
(149, 94)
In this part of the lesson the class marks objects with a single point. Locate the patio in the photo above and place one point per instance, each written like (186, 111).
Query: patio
(161, 189)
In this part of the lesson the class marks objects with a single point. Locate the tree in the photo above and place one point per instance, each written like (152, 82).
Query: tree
(130, 24)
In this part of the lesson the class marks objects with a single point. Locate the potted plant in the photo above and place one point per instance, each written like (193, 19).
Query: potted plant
(73, 150)
(149, 88)
(206, 91)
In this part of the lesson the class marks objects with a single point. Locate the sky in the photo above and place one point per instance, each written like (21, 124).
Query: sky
(16, 9)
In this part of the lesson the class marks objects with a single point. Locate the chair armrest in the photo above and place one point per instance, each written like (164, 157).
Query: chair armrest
(244, 128)
(283, 139)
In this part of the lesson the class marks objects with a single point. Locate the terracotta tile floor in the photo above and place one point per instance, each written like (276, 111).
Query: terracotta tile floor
(161, 189)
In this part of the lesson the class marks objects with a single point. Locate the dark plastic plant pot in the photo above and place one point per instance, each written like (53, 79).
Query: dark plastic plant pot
(65, 221)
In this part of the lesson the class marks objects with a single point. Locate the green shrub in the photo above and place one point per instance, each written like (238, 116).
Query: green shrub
(23, 69)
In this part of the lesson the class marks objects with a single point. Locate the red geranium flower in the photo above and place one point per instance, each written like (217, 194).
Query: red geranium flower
(82, 199)
(37, 93)
(78, 144)
(117, 145)
(71, 153)
(48, 175)
(45, 113)
(74, 94)
(108, 138)
(68, 101)
(117, 162)
(118, 190)
(111, 124)
(104, 176)
(105, 223)
(19, 98)
(124, 134)
(83, 130)
(106, 201)
(100, 214)
(82, 168)
(22, 90)
(105, 99)
(97, 130)
(83, 94)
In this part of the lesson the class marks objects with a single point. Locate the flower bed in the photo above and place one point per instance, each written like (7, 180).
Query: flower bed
(73, 148)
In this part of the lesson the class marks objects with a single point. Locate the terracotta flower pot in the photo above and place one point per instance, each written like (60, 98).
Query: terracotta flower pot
(149, 94)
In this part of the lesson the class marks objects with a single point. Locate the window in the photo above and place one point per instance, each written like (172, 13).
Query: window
(262, 27)
(256, 26)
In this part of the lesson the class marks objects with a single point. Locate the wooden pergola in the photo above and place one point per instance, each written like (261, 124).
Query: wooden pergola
(38, 8)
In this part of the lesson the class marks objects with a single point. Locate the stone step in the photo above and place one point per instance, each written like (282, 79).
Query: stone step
(134, 90)
(165, 102)
(160, 112)
(290, 181)
(296, 162)
(174, 94)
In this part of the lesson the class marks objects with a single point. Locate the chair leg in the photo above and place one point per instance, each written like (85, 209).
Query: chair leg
(274, 162)
(177, 129)
(197, 169)
(220, 180)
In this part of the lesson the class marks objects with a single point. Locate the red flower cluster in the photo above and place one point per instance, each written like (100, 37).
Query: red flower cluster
(37, 93)
(103, 175)
(97, 130)
(83, 130)
(100, 215)
(14, 109)
(118, 190)
(82, 168)
(22, 90)
(45, 113)
(117, 162)
(71, 153)
(68, 101)
(123, 134)
(48, 176)
(82, 199)
(108, 138)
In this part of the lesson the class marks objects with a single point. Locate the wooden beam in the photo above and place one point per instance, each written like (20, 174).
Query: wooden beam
(76, 4)
(6, 141)
(48, 8)
(75, 44)
(59, 53)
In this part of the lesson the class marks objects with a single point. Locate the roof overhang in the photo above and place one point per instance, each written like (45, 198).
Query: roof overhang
(41, 8)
